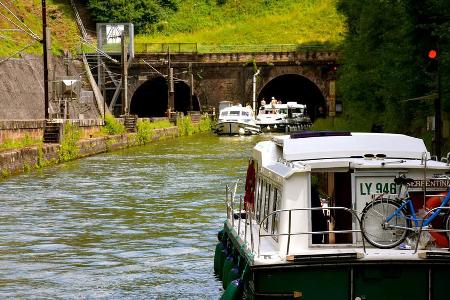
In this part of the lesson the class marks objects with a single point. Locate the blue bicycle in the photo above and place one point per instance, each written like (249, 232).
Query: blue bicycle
(386, 222)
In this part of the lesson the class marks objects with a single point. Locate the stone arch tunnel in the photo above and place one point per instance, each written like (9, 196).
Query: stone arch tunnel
(296, 88)
(151, 98)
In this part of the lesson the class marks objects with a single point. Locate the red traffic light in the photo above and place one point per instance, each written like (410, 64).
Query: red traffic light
(432, 54)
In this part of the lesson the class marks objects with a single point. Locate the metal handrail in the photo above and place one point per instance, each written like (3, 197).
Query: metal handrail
(289, 233)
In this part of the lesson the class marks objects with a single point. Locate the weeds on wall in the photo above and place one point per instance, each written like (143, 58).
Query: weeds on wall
(186, 127)
(69, 148)
(20, 143)
(146, 129)
(113, 126)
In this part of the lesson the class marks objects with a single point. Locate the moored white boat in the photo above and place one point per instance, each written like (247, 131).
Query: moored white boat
(278, 242)
(236, 120)
(283, 117)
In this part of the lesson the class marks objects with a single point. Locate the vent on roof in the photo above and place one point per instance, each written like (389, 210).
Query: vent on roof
(307, 134)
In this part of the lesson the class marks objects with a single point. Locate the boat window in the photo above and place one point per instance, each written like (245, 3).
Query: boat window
(224, 113)
(268, 200)
(245, 113)
(267, 204)
(234, 113)
(258, 199)
(276, 216)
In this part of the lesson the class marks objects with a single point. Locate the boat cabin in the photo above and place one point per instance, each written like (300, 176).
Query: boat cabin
(298, 176)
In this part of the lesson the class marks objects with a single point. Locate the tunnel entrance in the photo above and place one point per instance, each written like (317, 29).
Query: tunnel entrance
(296, 88)
(183, 98)
(151, 98)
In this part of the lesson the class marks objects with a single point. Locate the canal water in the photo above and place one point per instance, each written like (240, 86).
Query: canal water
(139, 223)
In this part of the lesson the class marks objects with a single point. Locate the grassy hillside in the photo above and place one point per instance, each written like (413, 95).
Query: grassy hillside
(60, 20)
(257, 22)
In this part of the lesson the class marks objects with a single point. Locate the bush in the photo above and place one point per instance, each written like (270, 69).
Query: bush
(69, 148)
(112, 126)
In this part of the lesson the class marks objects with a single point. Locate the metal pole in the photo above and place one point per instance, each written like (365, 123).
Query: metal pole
(45, 45)
(124, 76)
(437, 111)
(191, 85)
(254, 91)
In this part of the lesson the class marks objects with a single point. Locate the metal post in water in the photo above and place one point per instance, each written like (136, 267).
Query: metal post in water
(254, 91)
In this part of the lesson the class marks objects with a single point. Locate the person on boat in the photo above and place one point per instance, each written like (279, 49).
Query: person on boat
(318, 219)
(263, 102)
(273, 102)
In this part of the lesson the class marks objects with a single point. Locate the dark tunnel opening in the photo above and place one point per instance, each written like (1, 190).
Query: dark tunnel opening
(295, 88)
(151, 98)
(183, 98)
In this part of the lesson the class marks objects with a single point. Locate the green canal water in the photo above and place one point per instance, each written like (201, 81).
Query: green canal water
(134, 224)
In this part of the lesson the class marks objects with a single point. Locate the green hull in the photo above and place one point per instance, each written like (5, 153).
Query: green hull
(343, 278)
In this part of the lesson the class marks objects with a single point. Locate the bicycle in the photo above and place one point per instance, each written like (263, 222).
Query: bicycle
(385, 222)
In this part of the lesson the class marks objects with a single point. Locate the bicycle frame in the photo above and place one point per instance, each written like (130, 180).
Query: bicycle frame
(418, 222)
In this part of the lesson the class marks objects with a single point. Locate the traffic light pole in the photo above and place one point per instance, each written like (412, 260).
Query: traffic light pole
(438, 113)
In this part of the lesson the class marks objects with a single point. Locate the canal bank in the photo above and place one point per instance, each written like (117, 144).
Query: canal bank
(16, 161)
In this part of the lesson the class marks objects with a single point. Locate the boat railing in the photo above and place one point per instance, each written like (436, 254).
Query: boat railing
(289, 234)
(430, 229)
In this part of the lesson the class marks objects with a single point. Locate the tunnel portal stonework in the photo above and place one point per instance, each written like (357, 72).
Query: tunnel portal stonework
(228, 77)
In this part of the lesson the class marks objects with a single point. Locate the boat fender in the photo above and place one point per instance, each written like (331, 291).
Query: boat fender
(440, 238)
(250, 181)
(233, 274)
(217, 256)
(234, 290)
(227, 266)
(222, 257)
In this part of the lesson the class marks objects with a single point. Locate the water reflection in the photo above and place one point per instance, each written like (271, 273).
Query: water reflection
(138, 223)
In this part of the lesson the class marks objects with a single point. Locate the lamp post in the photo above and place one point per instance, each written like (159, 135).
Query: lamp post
(254, 90)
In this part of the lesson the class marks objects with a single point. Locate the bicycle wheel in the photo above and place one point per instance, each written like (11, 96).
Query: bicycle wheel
(377, 231)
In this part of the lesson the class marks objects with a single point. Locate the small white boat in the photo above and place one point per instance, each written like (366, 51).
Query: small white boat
(283, 117)
(237, 120)
(280, 241)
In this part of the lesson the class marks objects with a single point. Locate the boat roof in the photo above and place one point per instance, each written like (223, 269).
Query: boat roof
(285, 105)
(312, 145)
(236, 107)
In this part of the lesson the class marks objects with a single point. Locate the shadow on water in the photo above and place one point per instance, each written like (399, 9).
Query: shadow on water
(137, 223)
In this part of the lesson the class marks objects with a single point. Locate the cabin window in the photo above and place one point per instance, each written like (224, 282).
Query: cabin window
(234, 113)
(224, 113)
(245, 113)
(258, 199)
(276, 216)
(268, 200)
(267, 204)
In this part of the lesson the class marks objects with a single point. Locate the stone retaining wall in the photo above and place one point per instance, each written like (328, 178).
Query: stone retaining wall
(34, 129)
(21, 160)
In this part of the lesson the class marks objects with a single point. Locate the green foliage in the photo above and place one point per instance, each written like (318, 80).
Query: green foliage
(69, 146)
(384, 63)
(186, 127)
(19, 143)
(146, 129)
(64, 31)
(251, 22)
(205, 123)
(144, 14)
(113, 126)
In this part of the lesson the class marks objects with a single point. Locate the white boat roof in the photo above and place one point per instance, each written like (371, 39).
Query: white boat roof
(319, 145)
(236, 108)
